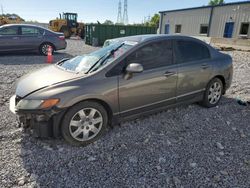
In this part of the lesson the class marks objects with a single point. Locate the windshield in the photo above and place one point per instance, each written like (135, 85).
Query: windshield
(96, 59)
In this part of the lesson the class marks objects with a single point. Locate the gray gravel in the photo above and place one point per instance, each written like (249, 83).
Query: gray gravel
(188, 146)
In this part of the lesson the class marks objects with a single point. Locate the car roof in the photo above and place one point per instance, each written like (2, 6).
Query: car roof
(30, 25)
(149, 37)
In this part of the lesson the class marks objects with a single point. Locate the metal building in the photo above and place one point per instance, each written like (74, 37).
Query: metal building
(230, 20)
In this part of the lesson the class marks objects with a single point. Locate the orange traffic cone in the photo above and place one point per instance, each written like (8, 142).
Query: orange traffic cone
(49, 55)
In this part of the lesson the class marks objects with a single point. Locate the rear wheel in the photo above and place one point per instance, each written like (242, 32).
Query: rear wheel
(84, 123)
(43, 49)
(213, 93)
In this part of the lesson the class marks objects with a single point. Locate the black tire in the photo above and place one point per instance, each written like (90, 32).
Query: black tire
(73, 113)
(216, 97)
(44, 46)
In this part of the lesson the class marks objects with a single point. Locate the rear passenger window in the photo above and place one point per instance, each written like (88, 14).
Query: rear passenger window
(187, 51)
(154, 55)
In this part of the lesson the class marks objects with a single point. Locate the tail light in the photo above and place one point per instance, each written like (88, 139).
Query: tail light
(61, 37)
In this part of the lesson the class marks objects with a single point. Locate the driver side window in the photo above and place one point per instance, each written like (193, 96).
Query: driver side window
(154, 55)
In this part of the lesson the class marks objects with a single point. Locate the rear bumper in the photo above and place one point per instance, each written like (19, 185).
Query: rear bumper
(61, 45)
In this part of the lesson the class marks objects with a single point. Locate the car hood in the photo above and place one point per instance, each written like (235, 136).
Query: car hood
(43, 78)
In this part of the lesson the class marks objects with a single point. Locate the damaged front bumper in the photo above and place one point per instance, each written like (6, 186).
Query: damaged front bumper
(44, 123)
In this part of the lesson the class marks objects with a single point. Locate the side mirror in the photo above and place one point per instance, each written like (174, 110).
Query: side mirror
(134, 68)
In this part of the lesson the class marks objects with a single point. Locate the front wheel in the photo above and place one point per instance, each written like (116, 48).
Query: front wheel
(84, 123)
(213, 93)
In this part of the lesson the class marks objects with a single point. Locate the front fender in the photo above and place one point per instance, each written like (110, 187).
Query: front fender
(74, 92)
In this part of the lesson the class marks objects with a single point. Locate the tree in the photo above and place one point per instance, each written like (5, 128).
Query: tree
(216, 2)
(155, 20)
(152, 22)
(108, 22)
(14, 16)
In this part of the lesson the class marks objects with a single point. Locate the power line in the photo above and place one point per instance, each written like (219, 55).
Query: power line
(119, 17)
(125, 14)
(2, 8)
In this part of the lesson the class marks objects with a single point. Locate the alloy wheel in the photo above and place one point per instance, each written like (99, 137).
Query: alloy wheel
(215, 92)
(45, 48)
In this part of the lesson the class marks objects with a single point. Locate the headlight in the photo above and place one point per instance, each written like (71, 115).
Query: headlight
(36, 104)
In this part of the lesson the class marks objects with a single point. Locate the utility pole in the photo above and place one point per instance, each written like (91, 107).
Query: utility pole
(149, 18)
(2, 8)
(125, 14)
(119, 17)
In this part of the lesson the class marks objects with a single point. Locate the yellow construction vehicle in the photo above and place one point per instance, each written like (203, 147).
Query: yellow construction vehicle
(67, 24)
(9, 20)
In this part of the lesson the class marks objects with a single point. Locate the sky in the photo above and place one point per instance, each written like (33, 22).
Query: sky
(91, 11)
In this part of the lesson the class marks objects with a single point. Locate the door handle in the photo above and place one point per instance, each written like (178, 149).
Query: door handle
(205, 66)
(168, 74)
(15, 38)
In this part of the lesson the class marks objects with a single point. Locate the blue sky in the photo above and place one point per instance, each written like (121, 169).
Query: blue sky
(93, 10)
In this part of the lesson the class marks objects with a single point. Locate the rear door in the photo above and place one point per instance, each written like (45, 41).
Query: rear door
(31, 37)
(9, 38)
(155, 86)
(194, 68)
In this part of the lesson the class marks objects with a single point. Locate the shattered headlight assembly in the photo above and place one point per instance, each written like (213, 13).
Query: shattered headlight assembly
(36, 104)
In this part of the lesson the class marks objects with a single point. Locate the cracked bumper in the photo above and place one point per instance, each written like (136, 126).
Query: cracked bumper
(44, 123)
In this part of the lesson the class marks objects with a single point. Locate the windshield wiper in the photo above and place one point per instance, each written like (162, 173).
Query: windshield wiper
(62, 61)
(103, 58)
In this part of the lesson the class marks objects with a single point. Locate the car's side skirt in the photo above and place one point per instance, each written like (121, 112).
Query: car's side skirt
(148, 110)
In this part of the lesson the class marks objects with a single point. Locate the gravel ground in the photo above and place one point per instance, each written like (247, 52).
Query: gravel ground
(188, 146)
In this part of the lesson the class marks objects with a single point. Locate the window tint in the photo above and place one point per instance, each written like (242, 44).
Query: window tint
(154, 55)
(9, 31)
(117, 69)
(30, 31)
(190, 51)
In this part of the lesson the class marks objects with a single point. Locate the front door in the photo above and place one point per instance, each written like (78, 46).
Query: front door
(228, 32)
(155, 86)
(194, 69)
